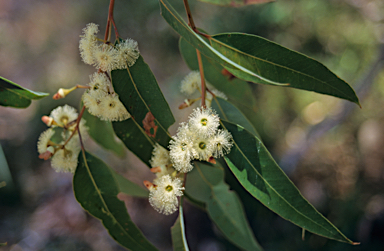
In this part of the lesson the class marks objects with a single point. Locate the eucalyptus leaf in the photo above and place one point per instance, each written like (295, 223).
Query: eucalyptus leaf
(151, 116)
(236, 3)
(229, 112)
(258, 173)
(237, 90)
(279, 64)
(102, 133)
(205, 183)
(96, 190)
(201, 43)
(14, 95)
(179, 240)
(130, 188)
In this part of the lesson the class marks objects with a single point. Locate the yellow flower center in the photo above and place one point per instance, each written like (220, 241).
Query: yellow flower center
(202, 145)
(168, 188)
(204, 122)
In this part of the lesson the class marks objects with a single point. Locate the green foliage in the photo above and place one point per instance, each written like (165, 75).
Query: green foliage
(229, 112)
(177, 23)
(259, 174)
(151, 117)
(258, 60)
(179, 240)
(279, 64)
(96, 189)
(128, 187)
(105, 139)
(238, 91)
(205, 183)
(14, 95)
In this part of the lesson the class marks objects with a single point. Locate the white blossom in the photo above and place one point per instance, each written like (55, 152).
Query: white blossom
(43, 142)
(62, 115)
(204, 122)
(163, 197)
(128, 52)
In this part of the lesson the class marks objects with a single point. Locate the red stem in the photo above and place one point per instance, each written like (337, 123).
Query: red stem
(201, 69)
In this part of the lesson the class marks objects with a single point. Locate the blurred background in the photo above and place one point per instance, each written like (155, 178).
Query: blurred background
(331, 149)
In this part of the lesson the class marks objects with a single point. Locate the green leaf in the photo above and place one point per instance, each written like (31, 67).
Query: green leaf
(180, 26)
(179, 240)
(151, 116)
(279, 64)
(96, 190)
(134, 139)
(130, 188)
(102, 133)
(3, 244)
(236, 3)
(237, 90)
(205, 183)
(14, 95)
(229, 112)
(258, 173)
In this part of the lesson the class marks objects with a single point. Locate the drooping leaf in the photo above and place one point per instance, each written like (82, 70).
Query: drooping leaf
(199, 42)
(151, 116)
(237, 90)
(258, 60)
(96, 190)
(258, 173)
(102, 132)
(14, 95)
(205, 183)
(279, 64)
(130, 188)
(134, 139)
(179, 240)
(229, 112)
(236, 3)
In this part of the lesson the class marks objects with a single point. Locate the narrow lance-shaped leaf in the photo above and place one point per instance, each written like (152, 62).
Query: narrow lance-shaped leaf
(237, 90)
(229, 112)
(151, 116)
(279, 64)
(102, 132)
(258, 60)
(96, 190)
(14, 95)
(130, 188)
(179, 240)
(180, 26)
(258, 173)
(205, 183)
(236, 3)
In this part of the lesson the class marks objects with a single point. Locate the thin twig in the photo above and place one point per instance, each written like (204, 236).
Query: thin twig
(189, 15)
(110, 15)
(201, 69)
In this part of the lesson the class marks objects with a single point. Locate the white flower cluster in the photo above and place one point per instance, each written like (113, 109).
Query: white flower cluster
(103, 103)
(165, 188)
(106, 57)
(192, 83)
(64, 156)
(199, 139)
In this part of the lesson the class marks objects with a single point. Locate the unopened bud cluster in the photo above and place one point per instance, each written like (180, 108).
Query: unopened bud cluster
(65, 148)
